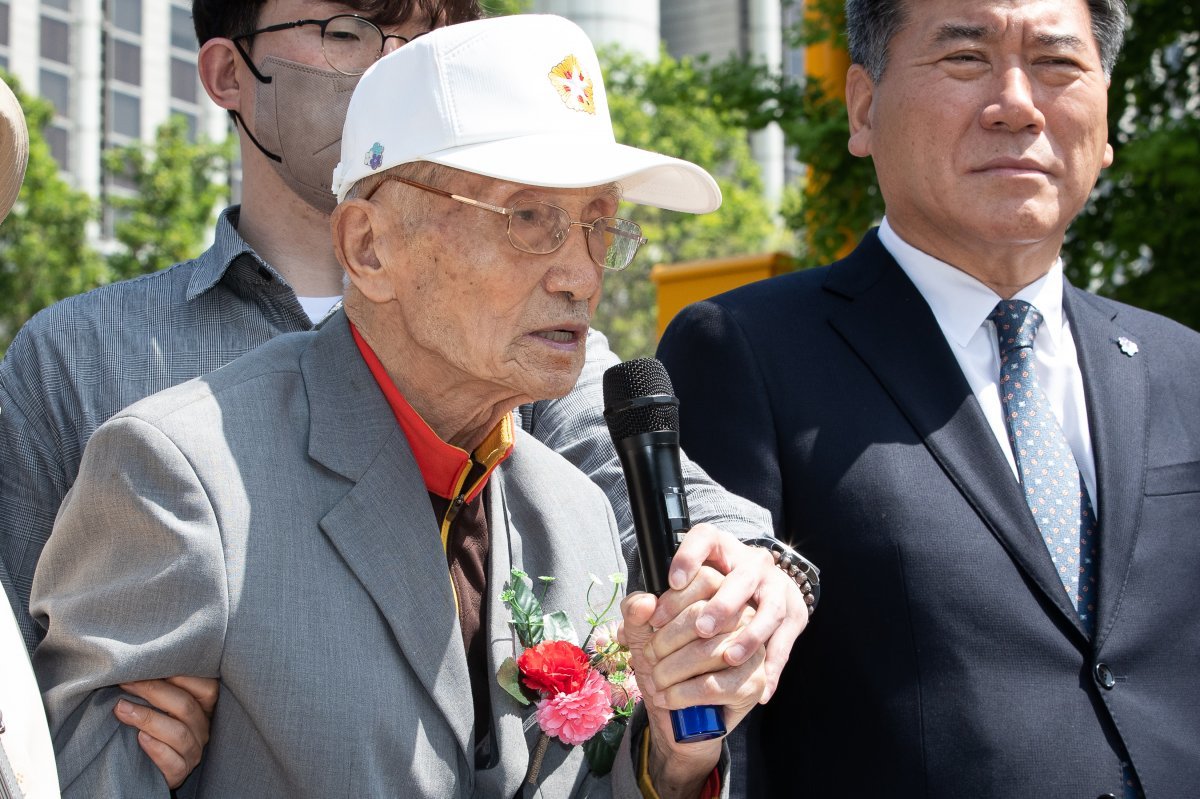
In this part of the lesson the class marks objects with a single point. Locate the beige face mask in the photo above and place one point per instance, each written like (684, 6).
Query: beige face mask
(298, 117)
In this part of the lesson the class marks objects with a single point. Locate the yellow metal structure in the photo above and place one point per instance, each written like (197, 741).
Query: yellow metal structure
(681, 284)
(827, 63)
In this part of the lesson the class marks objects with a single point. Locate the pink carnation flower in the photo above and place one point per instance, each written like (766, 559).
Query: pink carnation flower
(576, 717)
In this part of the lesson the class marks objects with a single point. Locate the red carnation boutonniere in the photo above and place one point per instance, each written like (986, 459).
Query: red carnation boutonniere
(584, 693)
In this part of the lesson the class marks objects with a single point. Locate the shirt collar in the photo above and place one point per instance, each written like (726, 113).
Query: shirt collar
(960, 303)
(444, 467)
(228, 245)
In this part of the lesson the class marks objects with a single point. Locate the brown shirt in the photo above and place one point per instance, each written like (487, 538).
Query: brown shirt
(467, 556)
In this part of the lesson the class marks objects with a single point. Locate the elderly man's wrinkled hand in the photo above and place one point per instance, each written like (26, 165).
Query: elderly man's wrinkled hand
(750, 577)
(676, 667)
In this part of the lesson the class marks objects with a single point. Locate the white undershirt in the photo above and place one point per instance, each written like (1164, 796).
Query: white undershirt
(961, 305)
(317, 308)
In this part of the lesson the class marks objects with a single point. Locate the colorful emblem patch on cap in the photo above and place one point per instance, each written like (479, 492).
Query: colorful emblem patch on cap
(574, 87)
(374, 156)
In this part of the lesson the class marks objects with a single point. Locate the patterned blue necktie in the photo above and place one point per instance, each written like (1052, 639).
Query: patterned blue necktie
(1049, 474)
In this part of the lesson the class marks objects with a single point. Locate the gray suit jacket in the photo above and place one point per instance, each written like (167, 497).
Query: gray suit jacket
(267, 525)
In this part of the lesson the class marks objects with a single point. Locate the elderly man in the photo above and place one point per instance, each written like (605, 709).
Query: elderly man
(325, 524)
(285, 70)
(941, 421)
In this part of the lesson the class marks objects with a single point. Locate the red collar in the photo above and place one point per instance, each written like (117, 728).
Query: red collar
(443, 466)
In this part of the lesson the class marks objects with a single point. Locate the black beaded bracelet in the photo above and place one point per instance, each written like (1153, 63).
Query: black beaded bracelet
(804, 572)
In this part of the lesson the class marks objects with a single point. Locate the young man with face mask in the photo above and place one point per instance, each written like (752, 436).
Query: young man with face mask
(285, 70)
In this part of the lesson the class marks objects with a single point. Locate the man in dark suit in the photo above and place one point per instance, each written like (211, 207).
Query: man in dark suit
(940, 419)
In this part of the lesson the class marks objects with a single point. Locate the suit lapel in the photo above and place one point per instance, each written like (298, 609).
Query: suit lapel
(516, 742)
(1115, 385)
(916, 367)
(508, 715)
(384, 527)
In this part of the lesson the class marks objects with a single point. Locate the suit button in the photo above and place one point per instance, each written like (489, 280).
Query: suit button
(1104, 675)
(1107, 796)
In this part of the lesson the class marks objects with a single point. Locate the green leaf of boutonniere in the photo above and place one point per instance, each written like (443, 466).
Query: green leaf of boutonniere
(601, 748)
(557, 627)
(509, 678)
(525, 607)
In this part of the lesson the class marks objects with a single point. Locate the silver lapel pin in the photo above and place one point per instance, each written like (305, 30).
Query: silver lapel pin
(1128, 346)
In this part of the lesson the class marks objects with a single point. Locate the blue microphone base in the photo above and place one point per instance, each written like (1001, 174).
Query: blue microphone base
(699, 723)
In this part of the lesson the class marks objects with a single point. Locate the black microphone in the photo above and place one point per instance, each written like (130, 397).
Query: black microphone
(642, 413)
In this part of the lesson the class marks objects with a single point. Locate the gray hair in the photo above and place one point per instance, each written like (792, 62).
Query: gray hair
(420, 171)
(871, 24)
(412, 206)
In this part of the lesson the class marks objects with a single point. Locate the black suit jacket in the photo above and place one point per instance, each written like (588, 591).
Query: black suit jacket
(945, 659)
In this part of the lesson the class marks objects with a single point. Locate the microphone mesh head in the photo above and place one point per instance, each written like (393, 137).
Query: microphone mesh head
(642, 377)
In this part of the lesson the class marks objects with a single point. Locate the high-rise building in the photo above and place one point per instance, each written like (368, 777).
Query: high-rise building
(114, 70)
(716, 28)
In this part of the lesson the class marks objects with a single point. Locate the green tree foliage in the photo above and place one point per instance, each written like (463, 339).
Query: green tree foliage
(839, 199)
(501, 8)
(176, 181)
(665, 106)
(44, 252)
(1136, 240)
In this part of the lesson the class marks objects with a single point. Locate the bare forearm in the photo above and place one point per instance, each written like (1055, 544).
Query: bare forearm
(681, 775)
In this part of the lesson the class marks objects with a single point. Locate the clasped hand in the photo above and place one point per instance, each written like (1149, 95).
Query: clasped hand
(677, 667)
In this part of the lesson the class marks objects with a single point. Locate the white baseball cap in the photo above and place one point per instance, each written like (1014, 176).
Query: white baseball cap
(517, 98)
(14, 148)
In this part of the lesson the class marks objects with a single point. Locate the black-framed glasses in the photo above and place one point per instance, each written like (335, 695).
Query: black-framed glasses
(540, 228)
(350, 43)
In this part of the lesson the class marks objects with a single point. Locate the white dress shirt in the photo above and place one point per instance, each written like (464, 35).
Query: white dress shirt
(961, 304)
